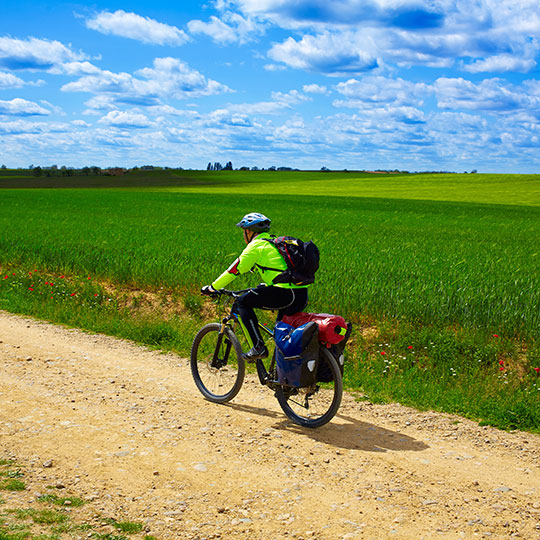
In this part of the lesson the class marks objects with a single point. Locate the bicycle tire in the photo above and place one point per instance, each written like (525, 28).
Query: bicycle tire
(217, 383)
(325, 400)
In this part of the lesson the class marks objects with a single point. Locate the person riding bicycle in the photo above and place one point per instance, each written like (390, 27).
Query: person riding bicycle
(287, 298)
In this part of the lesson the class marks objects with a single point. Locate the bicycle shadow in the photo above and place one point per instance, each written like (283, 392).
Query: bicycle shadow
(353, 434)
(358, 435)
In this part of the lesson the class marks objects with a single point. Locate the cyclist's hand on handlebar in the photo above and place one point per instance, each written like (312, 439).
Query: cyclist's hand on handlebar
(208, 290)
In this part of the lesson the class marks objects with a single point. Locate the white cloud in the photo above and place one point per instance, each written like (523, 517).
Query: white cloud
(8, 80)
(231, 28)
(124, 119)
(22, 107)
(315, 89)
(169, 78)
(382, 90)
(486, 35)
(488, 95)
(328, 53)
(501, 63)
(133, 26)
(33, 53)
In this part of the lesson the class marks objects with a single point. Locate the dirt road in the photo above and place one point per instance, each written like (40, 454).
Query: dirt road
(125, 428)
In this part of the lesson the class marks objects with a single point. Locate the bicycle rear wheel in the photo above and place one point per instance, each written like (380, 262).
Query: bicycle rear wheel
(216, 362)
(315, 405)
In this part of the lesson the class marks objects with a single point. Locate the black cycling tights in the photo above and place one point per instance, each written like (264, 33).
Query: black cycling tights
(286, 301)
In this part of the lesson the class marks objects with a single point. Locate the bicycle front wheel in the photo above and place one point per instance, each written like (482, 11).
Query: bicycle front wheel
(216, 362)
(315, 405)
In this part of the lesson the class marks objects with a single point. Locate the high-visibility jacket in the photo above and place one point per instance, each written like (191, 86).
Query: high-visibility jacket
(264, 256)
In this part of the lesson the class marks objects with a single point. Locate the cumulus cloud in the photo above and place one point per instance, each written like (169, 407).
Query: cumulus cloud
(124, 119)
(230, 28)
(314, 89)
(485, 35)
(133, 26)
(33, 53)
(501, 63)
(381, 90)
(326, 53)
(8, 80)
(22, 107)
(488, 95)
(169, 78)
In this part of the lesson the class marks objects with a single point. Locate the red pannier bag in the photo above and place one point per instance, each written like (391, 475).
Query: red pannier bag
(332, 328)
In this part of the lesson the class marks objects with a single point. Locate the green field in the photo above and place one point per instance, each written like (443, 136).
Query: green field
(437, 264)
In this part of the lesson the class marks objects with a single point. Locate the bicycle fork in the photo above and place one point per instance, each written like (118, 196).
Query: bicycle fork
(218, 362)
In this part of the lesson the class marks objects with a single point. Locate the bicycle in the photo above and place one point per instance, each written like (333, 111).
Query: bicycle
(218, 370)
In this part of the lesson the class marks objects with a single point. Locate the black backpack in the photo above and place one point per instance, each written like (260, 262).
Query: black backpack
(302, 260)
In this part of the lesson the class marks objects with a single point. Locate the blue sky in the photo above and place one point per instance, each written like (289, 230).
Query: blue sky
(357, 84)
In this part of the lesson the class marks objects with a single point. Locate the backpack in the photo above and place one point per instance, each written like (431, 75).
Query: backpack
(302, 260)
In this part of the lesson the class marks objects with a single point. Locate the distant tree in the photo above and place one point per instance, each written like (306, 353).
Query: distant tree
(218, 166)
(244, 169)
(37, 171)
(272, 168)
(4, 167)
(209, 166)
(228, 167)
(85, 171)
(96, 170)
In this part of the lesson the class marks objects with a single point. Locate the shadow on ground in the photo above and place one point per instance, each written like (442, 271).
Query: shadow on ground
(350, 433)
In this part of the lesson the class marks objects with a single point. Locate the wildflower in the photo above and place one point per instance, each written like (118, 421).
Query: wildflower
(495, 335)
(72, 294)
(383, 353)
(410, 347)
(501, 368)
(5, 277)
(96, 294)
(30, 288)
(89, 277)
(62, 277)
(501, 362)
(537, 369)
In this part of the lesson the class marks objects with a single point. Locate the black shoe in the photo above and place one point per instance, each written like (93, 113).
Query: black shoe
(255, 353)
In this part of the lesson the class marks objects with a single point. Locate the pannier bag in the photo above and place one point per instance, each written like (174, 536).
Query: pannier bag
(334, 331)
(332, 328)
(297, 354)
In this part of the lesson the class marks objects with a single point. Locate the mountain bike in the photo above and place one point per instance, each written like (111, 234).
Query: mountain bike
(218, 370)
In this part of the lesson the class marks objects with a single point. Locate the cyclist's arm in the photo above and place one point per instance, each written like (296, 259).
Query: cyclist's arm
(243, 264)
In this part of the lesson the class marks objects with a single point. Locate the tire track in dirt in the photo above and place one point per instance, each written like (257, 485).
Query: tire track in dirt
(126, 428)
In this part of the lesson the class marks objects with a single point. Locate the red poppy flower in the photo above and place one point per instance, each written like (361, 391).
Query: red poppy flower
(62, 277)
(537, 369)
(410, 347)
(501, 368)
(30, 288)
(5, 277)
(495, 335)
(72, 294)
(501, 362)
(383, 353)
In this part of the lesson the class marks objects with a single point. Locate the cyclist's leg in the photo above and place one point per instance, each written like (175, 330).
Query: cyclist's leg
(267, 298)
(299, 303)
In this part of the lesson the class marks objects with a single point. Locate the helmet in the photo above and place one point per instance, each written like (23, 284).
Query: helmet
(255, 222)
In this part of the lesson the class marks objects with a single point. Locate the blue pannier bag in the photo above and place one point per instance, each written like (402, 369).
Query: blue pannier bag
(297, 354)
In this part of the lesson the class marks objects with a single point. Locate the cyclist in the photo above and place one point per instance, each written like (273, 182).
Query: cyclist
(263, 255)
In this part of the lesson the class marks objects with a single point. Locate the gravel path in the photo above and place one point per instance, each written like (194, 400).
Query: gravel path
(125, 428)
